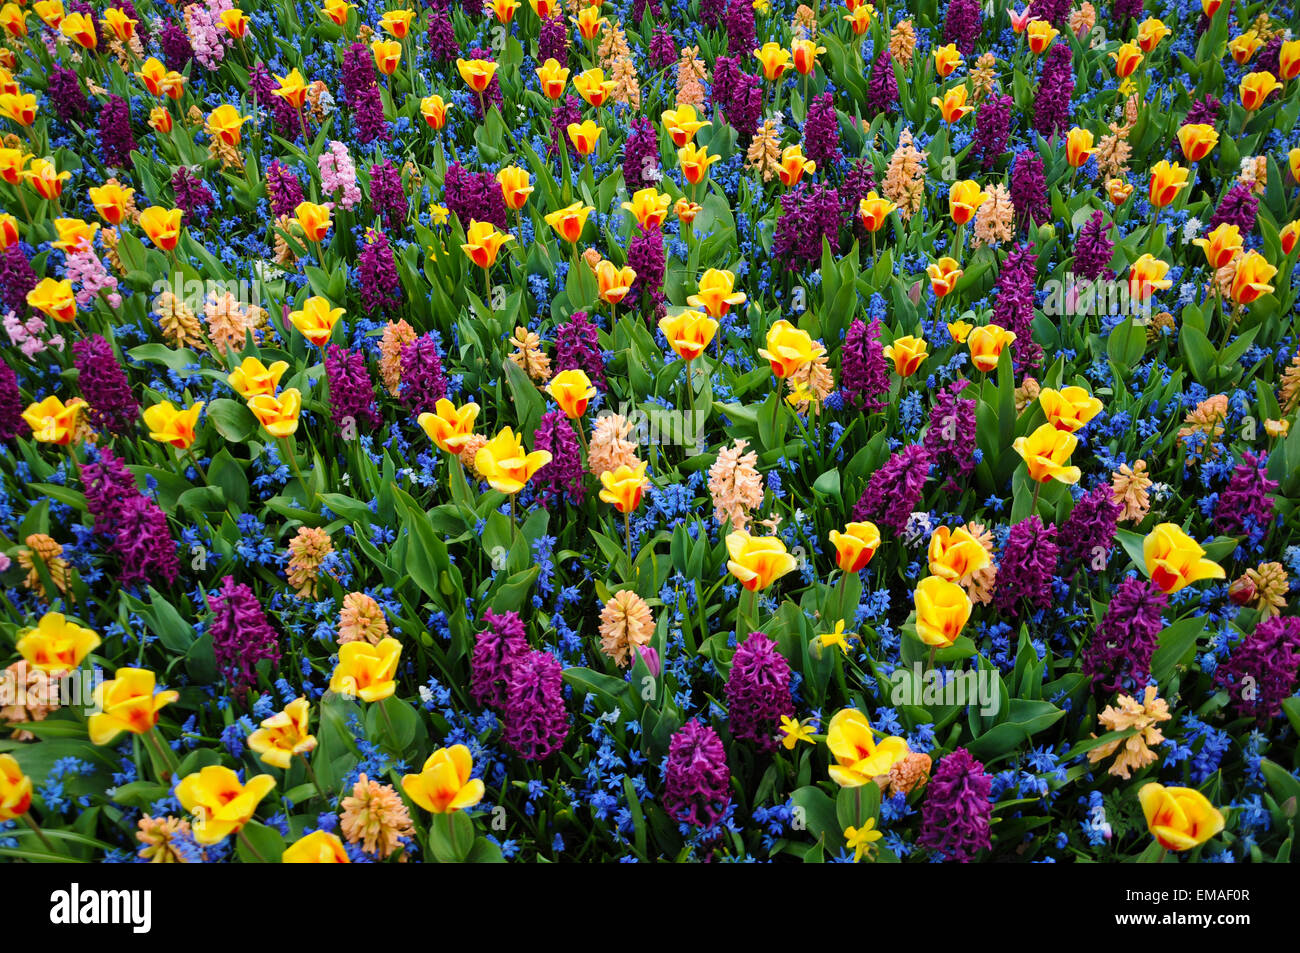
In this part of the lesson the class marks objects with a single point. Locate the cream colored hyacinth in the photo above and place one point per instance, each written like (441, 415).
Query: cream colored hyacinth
(735, 485)
(307, 550)
(625, 621)
(1134, 752)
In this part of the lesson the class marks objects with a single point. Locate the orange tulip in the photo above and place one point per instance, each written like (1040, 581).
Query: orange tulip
(434, 110)
(1167, 180)
(515, 187)
(483, 242)
(944, 275)
(873, 211)
(963, 199)
(1197, 140)
(946, 59)
(1145, 276)
(163, 226)
(388, 55)
(908, 354)
(953, 104)
(313, 219)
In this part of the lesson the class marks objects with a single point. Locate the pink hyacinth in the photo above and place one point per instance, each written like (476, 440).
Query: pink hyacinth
(339, 173)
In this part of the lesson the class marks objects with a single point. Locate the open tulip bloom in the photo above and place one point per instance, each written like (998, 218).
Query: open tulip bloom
(720, 431)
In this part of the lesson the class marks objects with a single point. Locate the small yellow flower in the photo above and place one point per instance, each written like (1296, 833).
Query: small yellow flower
(837, 638)
(862, 839)
(793, 732)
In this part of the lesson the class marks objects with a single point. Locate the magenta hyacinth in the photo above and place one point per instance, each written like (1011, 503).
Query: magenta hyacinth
(577, 348)
(697, 780)
(1088, 536)
(992, 129)
(741, 38)
(387, 196)
(562, 478)
(810, 213)
(821, 131)
(283, 188)
(474, 196)
(1094, 249)
(1245, 507)
(745, 105)
(104, 384)
(495, 649)
(1055, 88)
(143, 543)
(646, 256)
(864, 374)
(956, 815)
(963, 24)
(361, 92)
(65, 92)
(663, 50)
(441, 35)
(1027, 566)
(241, 635)
(1118, 657)
(1013, 305)
(192, 197)
(534, 720)
(109, 486)
(377, 281)
(116, 142)
(11, 405)
(882, 87)
(641, 167)
(422, 383)
(16, 279)
(726, 75)
(351, 391)
(950, 438)
(1029, 190)
(758, 691)
(894, 491)
(1239, 207)
(1266, 662)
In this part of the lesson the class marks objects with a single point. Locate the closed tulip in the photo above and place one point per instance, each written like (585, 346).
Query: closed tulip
(942, 610)
(1178, 818)
(1289, 60)
(612, 282)
(907, 353)
(774, 60)
(318, 847)
(569, 222)
(1221, 245)
(1068, 409)
(316, 320)
(45, 179)
(387, 54)
(284, 735)
(986, 344)
(20, 107)
(552, 77)
(1245, 46)
(506, 466)
(127, 702)
(220, 804)
(1257, 87)
(649, 207)
(946, 59)
(953, 105)
(1251, 278)
(483, 242)
(111, 201)
(515, 186)
(1046, 453)
(572, 390)
(434, 110)
(1147, 276)
(55, 299)
(788, 348)
(1150, 32)
(695, 162)
(1167, 180)
(584, 135)
(859, 757)
(624, 486)
(956, 554)
(964, 198)
(477, 74)
(1079, 146)
(313, 219)
(80, 29)
(444, 783)
(804, 53)
(716, 293)
(1127, 59)
(57, 645)
(689, 333)
(1040, 35)
(171, 425)
(873, 211)
(757, 561)
(1290, 232)
(1197, 140)
(589, 21)
(278, 413)
(855, 546)
(944, 275)
(15, 789)
(366, 671)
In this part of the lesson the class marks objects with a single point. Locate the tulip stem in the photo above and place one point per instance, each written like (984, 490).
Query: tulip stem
(40, 834)
(627, 533)
(163, 752)
(1033, 507)
(293, 465)
(311, 773)
(251, 849)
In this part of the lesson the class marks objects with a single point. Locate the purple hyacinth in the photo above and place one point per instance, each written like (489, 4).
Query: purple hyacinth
(177, 50)
(66, 94)
(560, 479)
(950, 437)
(745, 106)
(663, 51)
(116, 142)
(1239, 206)
(534, 720)
(641, 7)
(992, 129)
(104, 384)
(1126, 10)
(1267, 661)
(1093, 249)
(712, 12)
(1245, 507)
(11, 405)
(864, 369)
(283, 187)
(1119, 655)
(109, 486)
(577, 347)
(821, 131)
(241, 636)
(882, 87)
(1013, 305)
(472, 8)
(1055, 12)
(422, 384)
(956, 814)
(1202, 111)
(16, 279)
(963, 24)
(641, 155)
(562, 116)
(1270, 56)
(859, 179)
(361, 92)
(810, 212)
(726, 74)
(758, 691)
(474, 196)
(192, 197)
(1029, 190)
(387, 197)
(697, 781)
(495, 649)
(144, 544)
(894, 491)
(352, 393)
(1027, 566)
(646, 256)
(1088, 535)
(741, 38)
(1055, 89)
(379, 287)
(261, 85)
(441, 35)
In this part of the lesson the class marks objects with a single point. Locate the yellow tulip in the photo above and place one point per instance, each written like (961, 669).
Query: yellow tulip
(505, 465)
(169, 425)
(593, 87)
(1174, 560)
(252, 377)
(73, 233)
(944, 275)
(15, 789)
(127, 702)
(1178, 818)
(855, 547)
(716, 293)
(284, 735)
(1251, 279)
(695, 161)
(1221, 245)
(366, 671)
(793, 165)
(946, 59)
(316, 320)
(572, 390)
(1256, 88)
(758, 561)
(613, 283)
(1068, 409)
(318, 847)
(955, 555)
(649, 207)
(444, 783)
(986, 344)
(1079, 146)
(20, 107)
(1150, 32)
(292, 89)
(387, 54)
(434, 110)
(219, 803)
(450, 427)
(111, 201)
(953, 106)
(483, 242)
(1197, 140)
(53, 421)
(278, 413)
(584, 135)
(1146, 276)
(1167, 180)
(589, 21)
(1046, 452)
(788, 348)
(1127, 59)
(313, 219)
(1041, 34)
(568, 222)
(907, 353)
(942, 610)
(336, 11)
(682, 124)
(873, 211)
(624, 486)
(477, 74)
(47, 181)
(80, 29)
(54, 298)
(804, 54)
(397, 23)
(57, 645)
(774, 58)
(163, 226)
(515, 186)
(859, 758)
(552, 77)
